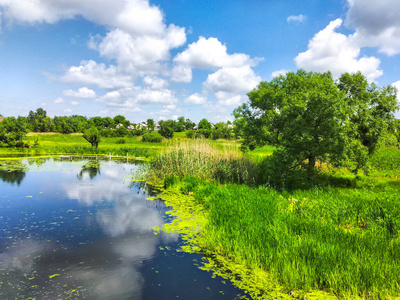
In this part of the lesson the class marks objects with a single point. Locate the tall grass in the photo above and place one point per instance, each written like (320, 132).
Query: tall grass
(204, 160)
(342, 241)
(342, 238)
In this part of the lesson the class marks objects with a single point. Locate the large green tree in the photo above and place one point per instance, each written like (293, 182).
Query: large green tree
(310, 118)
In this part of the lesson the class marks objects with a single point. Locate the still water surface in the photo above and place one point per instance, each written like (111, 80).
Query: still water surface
(69, 233)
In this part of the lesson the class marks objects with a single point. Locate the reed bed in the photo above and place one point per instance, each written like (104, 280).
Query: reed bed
(204, 160)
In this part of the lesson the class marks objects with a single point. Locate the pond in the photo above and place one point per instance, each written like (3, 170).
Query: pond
(70, 232)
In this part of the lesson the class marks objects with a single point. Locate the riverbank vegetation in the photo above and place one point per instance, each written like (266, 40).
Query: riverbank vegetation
(320, 216)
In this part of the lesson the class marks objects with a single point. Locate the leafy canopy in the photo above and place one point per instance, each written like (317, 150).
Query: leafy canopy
(92, 135)
(310, 118)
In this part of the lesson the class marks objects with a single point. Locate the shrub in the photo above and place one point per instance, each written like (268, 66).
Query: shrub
(152, 137)
(190, 134)
(120, 141)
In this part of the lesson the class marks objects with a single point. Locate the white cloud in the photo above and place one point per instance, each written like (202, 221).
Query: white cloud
(139, 53)
(209, 54)
(156, 97)
(68, 111)
(279, 73)
(132, 97)
(155, 83)
(229, 99)
(296, 19)
(59, 100)
(338, 53)
(195, 99)
(175, 117)
(377, 24)
(239, 80)
(397, 86)
(181, 73)
(134, 16)
(83, 92)
(92, 73)
(74, 103)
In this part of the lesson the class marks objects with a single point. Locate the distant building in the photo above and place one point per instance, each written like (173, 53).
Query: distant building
(142, 126)
(1, 118)
(157, 126)
(131, 127)
(119, 125)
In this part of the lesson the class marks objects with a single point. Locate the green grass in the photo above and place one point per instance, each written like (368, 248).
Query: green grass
(50, 144)
(342, 238)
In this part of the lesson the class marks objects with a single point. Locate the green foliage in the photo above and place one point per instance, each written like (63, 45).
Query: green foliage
(204, 124)
(92, 135)
(369, 113)
(205, 133)
(12, 131)
(150, 124)
(121, 131)
(203, 160)
(310, 119)
(167, 129)
(190, 134)
(120, 141)
(152, 137)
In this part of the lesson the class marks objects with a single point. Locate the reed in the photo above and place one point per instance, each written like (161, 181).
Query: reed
(204, 160)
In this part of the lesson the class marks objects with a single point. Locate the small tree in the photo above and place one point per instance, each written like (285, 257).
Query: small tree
(150, 124)
(167, 129)
(92, 135)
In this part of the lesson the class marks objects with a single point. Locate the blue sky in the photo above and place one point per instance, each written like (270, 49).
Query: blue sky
(167, 58)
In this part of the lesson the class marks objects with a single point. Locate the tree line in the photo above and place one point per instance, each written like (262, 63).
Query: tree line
(13, 129)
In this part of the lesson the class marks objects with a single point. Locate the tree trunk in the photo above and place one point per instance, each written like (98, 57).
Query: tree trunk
(311, 167)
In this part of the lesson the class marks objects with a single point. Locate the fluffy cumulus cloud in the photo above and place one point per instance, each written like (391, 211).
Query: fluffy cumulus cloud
(195, 99)
(93, 73)
(83, 92)
(376, 24)
(207, 54)
(133, 16)
(296, 19)
(237, 80)
(331, 51)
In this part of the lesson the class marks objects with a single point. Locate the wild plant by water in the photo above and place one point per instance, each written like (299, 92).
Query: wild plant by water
(203, 160)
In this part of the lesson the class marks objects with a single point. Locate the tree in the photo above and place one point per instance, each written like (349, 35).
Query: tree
(92, 135)
(204, 124)
(12, 131)
(310, 118)
(150, 124)
(300, 113)
(167, 129)
(370, 115)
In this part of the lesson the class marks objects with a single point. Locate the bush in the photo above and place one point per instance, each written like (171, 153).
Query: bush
(190, 134)
(152, 137)
(120, 141)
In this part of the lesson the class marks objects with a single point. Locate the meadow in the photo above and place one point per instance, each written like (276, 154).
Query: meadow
(338, 238)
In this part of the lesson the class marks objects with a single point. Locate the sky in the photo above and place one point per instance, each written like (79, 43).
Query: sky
(162, 59)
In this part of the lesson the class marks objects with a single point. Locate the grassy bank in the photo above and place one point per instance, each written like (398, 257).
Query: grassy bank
(50, 144)
(340, 239)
